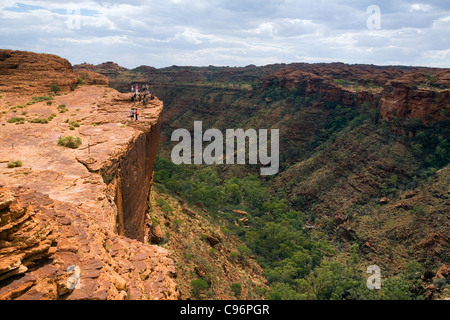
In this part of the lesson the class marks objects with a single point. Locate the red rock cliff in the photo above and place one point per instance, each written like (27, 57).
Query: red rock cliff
(412, 93)
(72, 220)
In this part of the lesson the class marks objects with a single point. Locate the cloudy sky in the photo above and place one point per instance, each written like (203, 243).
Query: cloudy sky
(162, 33)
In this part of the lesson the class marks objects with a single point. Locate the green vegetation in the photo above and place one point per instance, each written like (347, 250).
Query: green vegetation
(40, 99)
(165, 207)
(236, 289)
(199, 286)
(345, 83)
(107, 178)
(336, 158)
(70, 142)
(62, 108)
(298, 263)
(55, 88)
(16, 120)
(74, 124)
(43, 121)
(15, 164)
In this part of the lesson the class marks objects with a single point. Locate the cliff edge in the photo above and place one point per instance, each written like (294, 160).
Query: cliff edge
(73, 211)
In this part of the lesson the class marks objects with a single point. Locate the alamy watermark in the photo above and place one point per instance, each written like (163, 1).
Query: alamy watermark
(73, 20)
(74, 281)
(374, 20)
(374, 281)
(234, 144)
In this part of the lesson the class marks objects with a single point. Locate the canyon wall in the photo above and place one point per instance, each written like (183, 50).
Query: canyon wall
(395, 91)
(402, 92)
(134, 181)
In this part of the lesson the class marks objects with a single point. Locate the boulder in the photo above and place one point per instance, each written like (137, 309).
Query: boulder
(443, 273)
(213, 241)
(156, 235)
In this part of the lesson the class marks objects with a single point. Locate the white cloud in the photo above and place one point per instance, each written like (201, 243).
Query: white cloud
(229, 32)
(420, 7)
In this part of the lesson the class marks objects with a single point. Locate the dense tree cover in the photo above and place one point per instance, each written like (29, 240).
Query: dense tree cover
(300, 264)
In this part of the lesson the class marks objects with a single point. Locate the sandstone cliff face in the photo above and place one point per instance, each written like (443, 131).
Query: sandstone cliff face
(409, 93)
(400, 100)
(134, 177)
(28, 73)
(71, 219)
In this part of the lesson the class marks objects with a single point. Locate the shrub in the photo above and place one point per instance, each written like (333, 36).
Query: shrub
(55, 88)
(41, 98)
(15, 164)
(74, 124)
(418, 210)
(107, 178)
(177, 223)
(16, 120)
(212, 252)
(244, 250)
(440, 283)
(165, 207)
(417, 149)
(236, 288)
(70, 142)
(198, 286)
(43, 121)
(62, 108)
(234, 255)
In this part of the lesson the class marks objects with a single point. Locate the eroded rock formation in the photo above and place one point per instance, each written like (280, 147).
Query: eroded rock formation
(73, 220)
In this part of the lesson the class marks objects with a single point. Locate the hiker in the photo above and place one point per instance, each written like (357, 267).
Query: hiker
(131, 114)
(144, 102)
(136, 114)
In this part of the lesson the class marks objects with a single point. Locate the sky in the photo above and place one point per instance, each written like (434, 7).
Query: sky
(163, 33)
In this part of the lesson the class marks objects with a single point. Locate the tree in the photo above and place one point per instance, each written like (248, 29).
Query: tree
(198, 286)
(233, 193)
(55, 88)
(417, 149)
(236, 288)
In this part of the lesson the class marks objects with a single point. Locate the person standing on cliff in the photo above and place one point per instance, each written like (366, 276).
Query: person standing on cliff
(131, 114)
(136, 114)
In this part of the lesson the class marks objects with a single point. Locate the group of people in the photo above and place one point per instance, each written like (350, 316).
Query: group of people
(134, 114)
(144, 96)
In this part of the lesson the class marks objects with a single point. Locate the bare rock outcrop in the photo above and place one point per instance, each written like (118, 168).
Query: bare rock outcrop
(73, 220)
(30, 73)
(26, 238)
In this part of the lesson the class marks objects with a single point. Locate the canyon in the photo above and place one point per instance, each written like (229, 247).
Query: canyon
(76, 221)
(363, 164)
(364, 154)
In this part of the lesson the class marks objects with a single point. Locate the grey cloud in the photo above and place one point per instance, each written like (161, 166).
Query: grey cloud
(233, 32)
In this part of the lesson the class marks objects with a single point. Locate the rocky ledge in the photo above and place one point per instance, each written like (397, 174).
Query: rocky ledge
(72, 221)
